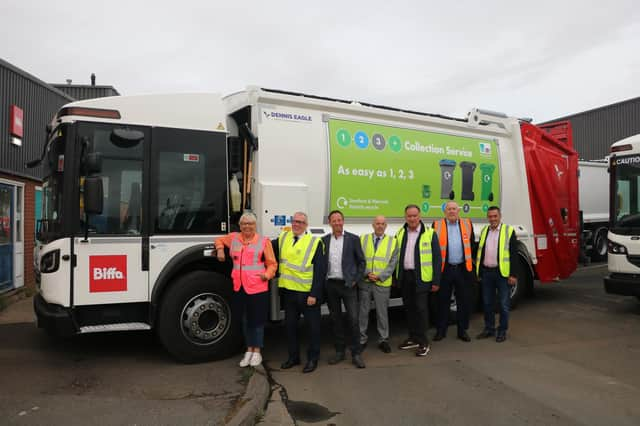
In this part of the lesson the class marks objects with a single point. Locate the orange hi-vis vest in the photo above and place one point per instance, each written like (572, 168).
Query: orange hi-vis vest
(248, 264)
(465, 231)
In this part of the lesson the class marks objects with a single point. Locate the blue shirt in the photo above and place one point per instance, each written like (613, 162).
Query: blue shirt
(454, 243)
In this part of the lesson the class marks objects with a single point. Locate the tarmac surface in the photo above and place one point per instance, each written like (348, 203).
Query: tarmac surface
(571, 358)
(107, 379)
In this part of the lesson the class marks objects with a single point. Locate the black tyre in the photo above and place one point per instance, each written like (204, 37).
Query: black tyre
(525, 281)
(599, 250)
(195, 321)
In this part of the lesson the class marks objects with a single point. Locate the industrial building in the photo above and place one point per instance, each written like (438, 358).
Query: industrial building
(595, 130)
(27, 105)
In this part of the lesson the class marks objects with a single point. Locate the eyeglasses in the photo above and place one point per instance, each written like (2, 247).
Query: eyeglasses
(247, 223)
(299, 222)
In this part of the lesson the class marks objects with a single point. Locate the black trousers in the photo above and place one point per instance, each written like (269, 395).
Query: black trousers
(337, 292)
(295, 303)
(416, 304)
(454, 277)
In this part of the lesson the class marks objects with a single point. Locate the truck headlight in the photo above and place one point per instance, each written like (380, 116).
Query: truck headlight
(50, 262)
(615, 248)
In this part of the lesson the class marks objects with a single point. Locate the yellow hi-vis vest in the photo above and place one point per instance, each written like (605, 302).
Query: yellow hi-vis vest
(504, 258)
(426, 257)
(295, 266)
(378, 258)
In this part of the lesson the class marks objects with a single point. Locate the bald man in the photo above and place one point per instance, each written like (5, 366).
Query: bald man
(381, 255)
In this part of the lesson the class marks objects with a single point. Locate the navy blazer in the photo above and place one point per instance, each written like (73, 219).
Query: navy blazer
(353, 262)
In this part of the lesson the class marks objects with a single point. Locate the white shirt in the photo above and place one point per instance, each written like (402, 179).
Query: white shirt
(491, 248)
(412, 237)
(335, 257)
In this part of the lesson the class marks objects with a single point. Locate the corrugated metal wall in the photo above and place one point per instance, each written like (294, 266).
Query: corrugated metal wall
(595, 130)
(39, 103)
(80, 92)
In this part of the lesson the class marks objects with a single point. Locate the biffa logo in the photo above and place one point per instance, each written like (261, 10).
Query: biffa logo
(107, 273)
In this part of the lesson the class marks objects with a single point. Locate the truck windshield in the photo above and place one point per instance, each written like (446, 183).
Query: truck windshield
(50, 225)
(625, 196)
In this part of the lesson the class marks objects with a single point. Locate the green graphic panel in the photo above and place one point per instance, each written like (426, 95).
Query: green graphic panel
(380, 169)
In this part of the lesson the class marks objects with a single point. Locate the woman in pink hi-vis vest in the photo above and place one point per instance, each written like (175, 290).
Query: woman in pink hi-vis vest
(254, 264)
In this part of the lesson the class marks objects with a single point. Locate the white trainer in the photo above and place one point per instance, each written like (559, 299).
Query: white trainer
(246, 360)
(256, 359)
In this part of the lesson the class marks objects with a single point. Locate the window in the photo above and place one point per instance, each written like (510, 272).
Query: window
(190, 176)
(121, 175)
(19, 191)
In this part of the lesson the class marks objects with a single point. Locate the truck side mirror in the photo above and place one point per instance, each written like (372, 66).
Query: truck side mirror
(93, 195)
(126, 138)
(92, 163)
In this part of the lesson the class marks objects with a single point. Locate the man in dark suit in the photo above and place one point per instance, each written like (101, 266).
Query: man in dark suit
(345, 267)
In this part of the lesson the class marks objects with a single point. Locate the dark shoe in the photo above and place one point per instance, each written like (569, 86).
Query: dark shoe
(384, 347)
(338, 357)
(423, 350)
(408, 344)
(357, 361)
(501, 337)
(464, 337)
(438, 337)
(289, 363)
(310, 366)
(485, 334)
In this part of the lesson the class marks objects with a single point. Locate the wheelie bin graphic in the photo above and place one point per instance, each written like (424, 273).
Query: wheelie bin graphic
(486, 170)
(446, 179)
(467, 180)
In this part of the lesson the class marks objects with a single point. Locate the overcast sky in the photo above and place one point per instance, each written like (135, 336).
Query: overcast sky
(543, 60)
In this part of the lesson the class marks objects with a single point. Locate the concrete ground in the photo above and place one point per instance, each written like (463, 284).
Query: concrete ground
(571, 358)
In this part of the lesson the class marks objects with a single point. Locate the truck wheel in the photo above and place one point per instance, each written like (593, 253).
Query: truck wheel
(599, 250)
(525, 281)
(195, 321)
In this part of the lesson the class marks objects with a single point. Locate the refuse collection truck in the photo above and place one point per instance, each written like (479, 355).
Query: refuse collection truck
(593, 184)
(139, 187)
(624, 209)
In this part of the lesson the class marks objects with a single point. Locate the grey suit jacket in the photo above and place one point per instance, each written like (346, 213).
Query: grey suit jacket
(353, 262)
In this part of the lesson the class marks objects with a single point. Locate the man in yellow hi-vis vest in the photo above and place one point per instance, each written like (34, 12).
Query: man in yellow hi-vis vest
(496, 253)
(418, 274)
(381, 255)
(301, 279)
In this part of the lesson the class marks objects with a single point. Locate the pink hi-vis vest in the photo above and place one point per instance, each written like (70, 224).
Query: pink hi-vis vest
(248, 264)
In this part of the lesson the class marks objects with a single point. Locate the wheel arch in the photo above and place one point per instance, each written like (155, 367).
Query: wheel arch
(188, 260)
(523, 253)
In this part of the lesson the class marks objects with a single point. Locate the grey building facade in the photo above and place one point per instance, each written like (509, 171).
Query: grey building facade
(27, 105)
(86, 91)
(595, 130)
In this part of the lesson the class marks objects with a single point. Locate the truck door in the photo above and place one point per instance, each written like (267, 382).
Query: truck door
(552, 173)
(111, 265)
(188, 195)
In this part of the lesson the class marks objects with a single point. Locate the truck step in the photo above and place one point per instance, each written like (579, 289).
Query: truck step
(123, 326)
